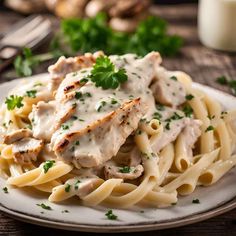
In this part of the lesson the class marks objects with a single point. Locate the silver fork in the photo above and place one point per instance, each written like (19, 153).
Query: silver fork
(29, 32)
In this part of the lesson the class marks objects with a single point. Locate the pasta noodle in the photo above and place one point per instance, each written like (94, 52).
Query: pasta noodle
(139, 143)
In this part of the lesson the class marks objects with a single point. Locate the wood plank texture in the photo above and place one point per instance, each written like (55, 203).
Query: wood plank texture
(204, 65)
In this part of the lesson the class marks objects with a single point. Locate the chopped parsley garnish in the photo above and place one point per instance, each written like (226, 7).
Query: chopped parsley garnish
(14, 101)
(209, 128)
(88, 94)
(78, 95)
(189, 97)
(139, 132)
(45, 207)
(211, 117)
(67, 188)
(65, 211)
(83, 81)
(5, 190)
(167, 126)
(141, 211)
(157, 115)
(47, 165)
(77, 143)
(81, 120)
(31, 93)
(125, 169)
(103, 103)
(173, 78)
(175, 116)
(77, 184)
(65, 127)
(160, 107)
(110, 215)
(196, 201)
(113, 101)
(188, 111)
(174, 203)
(74, 117)
(38, 84)
(105, 75)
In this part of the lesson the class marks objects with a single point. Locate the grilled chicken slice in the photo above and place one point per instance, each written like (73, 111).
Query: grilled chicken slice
(100, 140)
(26, 150)
(64, 66)
(17, 135)
(123, 172)
(42, 119)
(170, 134)
(167, 90)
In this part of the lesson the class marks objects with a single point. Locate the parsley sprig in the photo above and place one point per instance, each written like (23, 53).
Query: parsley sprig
(47, 165)
(14, 101)
(110, 215)
(105, 75)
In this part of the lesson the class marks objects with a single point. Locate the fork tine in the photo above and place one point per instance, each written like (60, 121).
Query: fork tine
(24, 30)
(33, 34)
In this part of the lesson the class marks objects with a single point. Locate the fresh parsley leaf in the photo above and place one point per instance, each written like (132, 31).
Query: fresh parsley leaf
(189, 97)
(65, 127)
(77, 184)
(45, 207)
(31, 93)
(5, 190)
(167, 126)
(67, 188)
(104, 74)
(110, 215)
(157, 115)
(47, 165)
(78, 95)
(14, 101)
(65, 211)
(188, 111)
(125, 169)
(196, 201)
(173, 78)
(209, 128)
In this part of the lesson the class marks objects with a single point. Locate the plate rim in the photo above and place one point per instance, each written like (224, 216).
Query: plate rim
(109, 228)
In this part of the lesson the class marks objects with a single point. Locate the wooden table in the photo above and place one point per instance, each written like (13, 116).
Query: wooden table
(204, 65)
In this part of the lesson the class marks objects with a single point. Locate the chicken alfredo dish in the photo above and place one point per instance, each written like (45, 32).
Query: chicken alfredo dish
(117, 130)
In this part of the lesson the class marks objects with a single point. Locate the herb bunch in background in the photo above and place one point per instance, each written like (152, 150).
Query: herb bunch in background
(90, 35)
(78, 36)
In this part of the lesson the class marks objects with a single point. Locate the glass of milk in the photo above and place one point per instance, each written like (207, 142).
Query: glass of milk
(217, 24)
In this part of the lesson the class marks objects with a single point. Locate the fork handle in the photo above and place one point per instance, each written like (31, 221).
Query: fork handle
(7, 55)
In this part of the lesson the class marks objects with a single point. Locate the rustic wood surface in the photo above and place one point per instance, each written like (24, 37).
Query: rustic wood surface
(204, 65)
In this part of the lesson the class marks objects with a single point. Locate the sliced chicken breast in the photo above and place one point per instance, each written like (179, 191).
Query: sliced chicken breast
(17, 135)
(26, 150)
(42, 120)
(167, 90)
(64, 66)
(101, 140)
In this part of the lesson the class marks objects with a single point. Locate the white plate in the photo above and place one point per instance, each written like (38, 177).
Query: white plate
(215, 200)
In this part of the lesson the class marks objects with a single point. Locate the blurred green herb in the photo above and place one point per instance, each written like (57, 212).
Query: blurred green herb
(223, 80)
(93, 34)
(90, 35)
